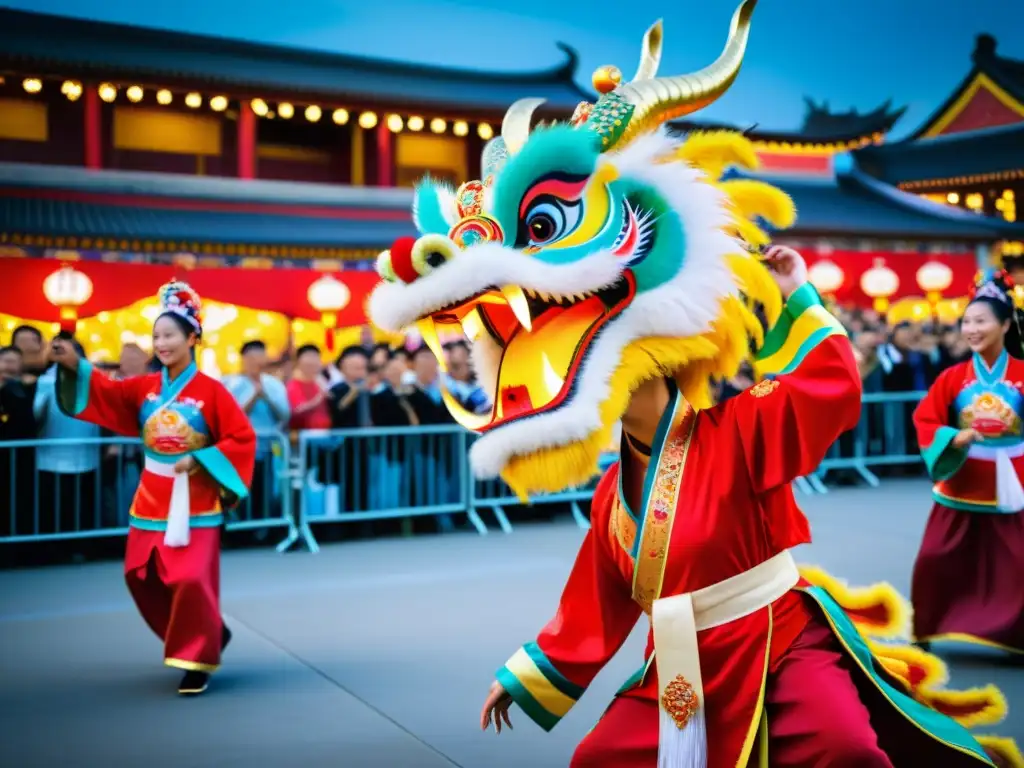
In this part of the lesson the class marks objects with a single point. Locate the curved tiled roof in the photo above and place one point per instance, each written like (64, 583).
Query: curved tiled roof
(986, 151)
(820, 125)
(62, 46)
(852, 204)
(74, 202)
(1007, 73)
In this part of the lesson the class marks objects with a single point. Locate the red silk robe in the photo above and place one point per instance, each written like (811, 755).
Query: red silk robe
(727, 472)
(175, 588)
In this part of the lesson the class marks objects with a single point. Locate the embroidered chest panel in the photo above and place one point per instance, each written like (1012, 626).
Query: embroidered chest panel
(173, 428)
(995, 409)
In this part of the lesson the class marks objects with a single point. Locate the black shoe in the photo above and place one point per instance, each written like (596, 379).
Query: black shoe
(225, 638)
(193, 683)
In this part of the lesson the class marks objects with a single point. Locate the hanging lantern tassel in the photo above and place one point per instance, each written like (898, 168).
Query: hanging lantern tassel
(68, 320)
(330, 321)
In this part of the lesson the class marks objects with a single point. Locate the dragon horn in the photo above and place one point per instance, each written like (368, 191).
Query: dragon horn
(515, 128)
(658, 100)
(650, 53)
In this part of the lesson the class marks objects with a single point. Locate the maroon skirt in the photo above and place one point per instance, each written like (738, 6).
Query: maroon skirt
(967, 579)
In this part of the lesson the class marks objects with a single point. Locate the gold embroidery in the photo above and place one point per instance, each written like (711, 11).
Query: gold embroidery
(623, 527)
(657, 525)
(764, 387)
(680, 701)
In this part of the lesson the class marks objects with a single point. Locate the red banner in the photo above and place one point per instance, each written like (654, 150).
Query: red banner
(117, 285)
(855, 263)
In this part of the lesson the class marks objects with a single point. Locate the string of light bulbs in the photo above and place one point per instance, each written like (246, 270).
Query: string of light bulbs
(367, 120)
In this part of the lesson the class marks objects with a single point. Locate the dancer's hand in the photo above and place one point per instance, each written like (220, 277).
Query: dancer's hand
(966, 437)
(185, 466)
(63, 351)
(788, 268)
(498, 702)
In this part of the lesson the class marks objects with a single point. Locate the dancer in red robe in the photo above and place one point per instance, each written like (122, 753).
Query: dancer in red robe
(967, 579)
(605, 270)
(200, 450)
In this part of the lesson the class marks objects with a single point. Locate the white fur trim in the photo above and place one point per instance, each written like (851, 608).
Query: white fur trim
(394, 306)
(681, 308)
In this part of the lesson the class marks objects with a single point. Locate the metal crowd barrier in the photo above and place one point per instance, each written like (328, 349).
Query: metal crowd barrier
(330, 476)
(59, 489)
(884, 437)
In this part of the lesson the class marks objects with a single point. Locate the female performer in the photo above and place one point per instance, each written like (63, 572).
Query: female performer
(199, 453)
(967, 577)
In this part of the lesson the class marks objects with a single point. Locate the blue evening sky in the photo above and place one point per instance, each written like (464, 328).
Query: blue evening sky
(854, 53)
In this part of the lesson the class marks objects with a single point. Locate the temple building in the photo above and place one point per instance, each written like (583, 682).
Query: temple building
(129, 146)
(970, 151)
(120, 139)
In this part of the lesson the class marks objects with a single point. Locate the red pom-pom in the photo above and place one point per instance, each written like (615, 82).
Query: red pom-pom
(401, 259)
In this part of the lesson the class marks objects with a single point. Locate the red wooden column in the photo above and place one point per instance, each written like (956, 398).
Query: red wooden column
(385, 156)
(246, 142)
(93, 116)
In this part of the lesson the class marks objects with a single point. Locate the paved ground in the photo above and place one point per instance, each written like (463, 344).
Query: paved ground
(369, 654)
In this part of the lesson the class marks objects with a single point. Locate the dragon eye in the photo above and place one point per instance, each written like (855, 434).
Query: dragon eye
(550, 220)
(431, 252)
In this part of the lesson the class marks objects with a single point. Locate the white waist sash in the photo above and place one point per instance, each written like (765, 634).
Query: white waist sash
(180, 509)
(1009, 493)
(676, 620)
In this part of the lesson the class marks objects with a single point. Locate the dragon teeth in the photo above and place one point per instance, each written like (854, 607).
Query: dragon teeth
(428, 331)
(519, 305)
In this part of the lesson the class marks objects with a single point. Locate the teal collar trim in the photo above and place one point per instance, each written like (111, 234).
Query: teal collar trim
(994, 374)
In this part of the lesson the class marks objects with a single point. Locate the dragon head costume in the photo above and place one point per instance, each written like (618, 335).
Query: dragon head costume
(592, 256)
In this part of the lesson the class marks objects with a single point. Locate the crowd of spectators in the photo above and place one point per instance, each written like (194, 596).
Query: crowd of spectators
(75, 485)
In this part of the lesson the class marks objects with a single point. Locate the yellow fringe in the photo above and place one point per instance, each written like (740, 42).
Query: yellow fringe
(987, 704)
(714, 151)
(748, 232)
(862, 598)
(1004, 748)
(899, 659)
(750, 199)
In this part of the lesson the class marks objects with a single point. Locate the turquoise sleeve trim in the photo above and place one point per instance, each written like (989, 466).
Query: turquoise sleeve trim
(554, 677)
(938, 726)
(222, 471)
(634, 680)
(525, 700)
(72, 389)
(941, 458)
(802, 299)
(82, 386)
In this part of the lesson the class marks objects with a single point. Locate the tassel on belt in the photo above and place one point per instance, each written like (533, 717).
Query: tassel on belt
(180, 510)
(676, 620)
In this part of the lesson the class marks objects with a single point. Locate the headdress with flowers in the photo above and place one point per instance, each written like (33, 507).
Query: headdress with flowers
(179, 299)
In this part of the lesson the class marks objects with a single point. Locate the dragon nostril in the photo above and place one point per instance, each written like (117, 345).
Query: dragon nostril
(435, 259)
